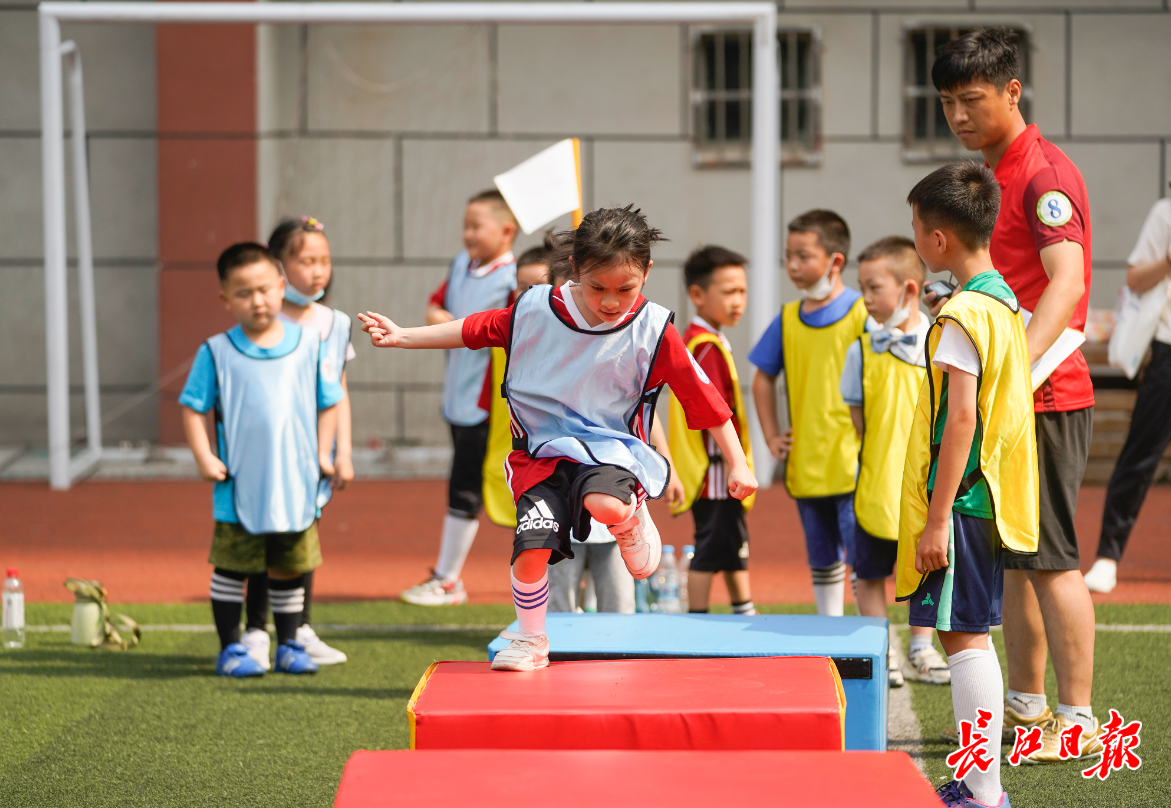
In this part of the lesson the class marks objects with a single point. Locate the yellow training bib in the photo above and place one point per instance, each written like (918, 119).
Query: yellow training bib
(687, 445)
(890, 389)
(497, 495)
(824, 459)
(1008, 452)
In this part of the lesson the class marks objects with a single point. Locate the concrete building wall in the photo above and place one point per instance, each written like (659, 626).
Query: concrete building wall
(383, 133)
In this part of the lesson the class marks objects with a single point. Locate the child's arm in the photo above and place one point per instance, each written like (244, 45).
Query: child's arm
(674, 493)
(856, 417)
(326, 432)
(211, 468)
(343, 458)
(953, 460)
(741, 481)
(385, 334)
(437, 315)
(764, 395)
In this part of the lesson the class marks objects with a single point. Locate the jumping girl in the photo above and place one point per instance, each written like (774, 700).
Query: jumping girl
(586, 362)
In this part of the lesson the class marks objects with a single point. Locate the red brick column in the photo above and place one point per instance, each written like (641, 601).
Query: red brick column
(207, 185)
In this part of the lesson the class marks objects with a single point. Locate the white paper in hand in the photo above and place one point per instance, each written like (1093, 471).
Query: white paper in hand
(543, 187)
(1065, 344)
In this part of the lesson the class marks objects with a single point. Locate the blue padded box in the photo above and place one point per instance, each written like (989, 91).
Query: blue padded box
(858, 645)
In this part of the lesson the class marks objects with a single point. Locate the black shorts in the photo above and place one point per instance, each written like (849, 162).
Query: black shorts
(1063, 447)
(465, 486)
(721, 537)
(874, 558)
(546, 513)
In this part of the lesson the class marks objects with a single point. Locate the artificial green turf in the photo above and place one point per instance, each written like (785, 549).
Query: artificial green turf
(155, 727)
(1130, 675)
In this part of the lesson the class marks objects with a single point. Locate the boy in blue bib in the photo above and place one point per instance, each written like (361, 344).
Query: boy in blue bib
(274, 393)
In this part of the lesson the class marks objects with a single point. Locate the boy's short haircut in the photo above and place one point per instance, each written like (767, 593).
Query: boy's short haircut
(496, 200)
(962, 197)
(702, 264)
(241, 255)
(540, 254)
(987, 54)
(902, 258)
(833, 234)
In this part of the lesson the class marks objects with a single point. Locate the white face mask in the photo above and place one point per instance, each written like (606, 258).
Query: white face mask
(900, 314)
(819, 290)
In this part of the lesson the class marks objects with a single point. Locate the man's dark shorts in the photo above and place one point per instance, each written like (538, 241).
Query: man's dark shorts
(1063, 447)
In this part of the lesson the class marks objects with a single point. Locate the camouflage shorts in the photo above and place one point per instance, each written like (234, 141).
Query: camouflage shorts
(234, 548)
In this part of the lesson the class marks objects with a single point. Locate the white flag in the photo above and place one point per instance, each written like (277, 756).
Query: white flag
(543, 187)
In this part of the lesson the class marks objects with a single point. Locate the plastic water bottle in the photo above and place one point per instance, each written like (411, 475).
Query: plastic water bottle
(684, 569)
(641, 596)
(13, 618)
(668, 580)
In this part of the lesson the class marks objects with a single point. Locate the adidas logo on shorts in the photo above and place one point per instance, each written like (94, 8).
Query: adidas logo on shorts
(539, 517)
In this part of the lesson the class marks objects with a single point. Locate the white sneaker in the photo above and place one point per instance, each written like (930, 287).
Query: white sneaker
(316, 648)
(436, 592)
(257, 642)
(523, 653)
(926, 665)
(894, 676)
(638, 541)
(1103, 576)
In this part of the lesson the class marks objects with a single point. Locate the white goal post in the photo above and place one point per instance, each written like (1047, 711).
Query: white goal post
(765, 252)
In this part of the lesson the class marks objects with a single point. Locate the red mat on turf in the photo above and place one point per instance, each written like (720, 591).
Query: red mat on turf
(588, 779)
(746, 703)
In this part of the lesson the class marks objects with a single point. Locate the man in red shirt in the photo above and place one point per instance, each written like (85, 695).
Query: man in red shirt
(1041, 245)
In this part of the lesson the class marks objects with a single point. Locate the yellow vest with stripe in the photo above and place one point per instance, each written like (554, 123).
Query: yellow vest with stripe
(890, 390)
(688, 449)
(1008, 452)
(497, 495)
(824, 459)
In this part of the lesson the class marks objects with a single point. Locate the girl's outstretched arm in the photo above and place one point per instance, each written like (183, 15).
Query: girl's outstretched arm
(384, 333)
(741, 481)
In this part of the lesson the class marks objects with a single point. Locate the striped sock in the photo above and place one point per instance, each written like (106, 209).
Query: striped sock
(747, 607)
(227, 602)
(531, 601)
(829, 589)
(288, 601)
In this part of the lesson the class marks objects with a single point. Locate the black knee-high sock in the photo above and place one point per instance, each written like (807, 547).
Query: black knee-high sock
(308, 598)
(288, 600)
(227, 601)
(256, 602)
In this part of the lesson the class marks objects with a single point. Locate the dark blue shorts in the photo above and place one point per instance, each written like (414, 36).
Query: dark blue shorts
(874, 559)
(967, 595)
(829, 529)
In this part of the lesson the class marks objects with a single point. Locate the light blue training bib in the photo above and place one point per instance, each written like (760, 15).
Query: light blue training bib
(582, 394)
(268, 411)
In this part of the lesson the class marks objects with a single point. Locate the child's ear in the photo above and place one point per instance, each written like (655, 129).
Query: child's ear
(696, 295)
(509, 229)
(224, 299)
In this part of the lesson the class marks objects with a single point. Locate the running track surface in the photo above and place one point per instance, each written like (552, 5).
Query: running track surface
(148, 542)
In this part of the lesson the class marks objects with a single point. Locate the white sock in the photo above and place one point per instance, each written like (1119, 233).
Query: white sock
(1029, 705)
(976, 683)
(919, 642)
(1078, 715)
(531, 601)
(458, 535)
(829, 589)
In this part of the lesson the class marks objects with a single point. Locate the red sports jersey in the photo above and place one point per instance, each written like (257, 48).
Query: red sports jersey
(673, 366)
(1043, 201)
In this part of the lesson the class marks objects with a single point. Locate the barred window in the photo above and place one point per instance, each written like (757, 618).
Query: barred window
(926, 135)
(721, 96)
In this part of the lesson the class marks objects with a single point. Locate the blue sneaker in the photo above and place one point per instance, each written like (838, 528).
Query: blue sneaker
(234, 661)
(291, 658)
(955, 794)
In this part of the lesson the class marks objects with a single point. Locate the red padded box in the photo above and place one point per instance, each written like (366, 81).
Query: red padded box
(743, 703)
(499, 778)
